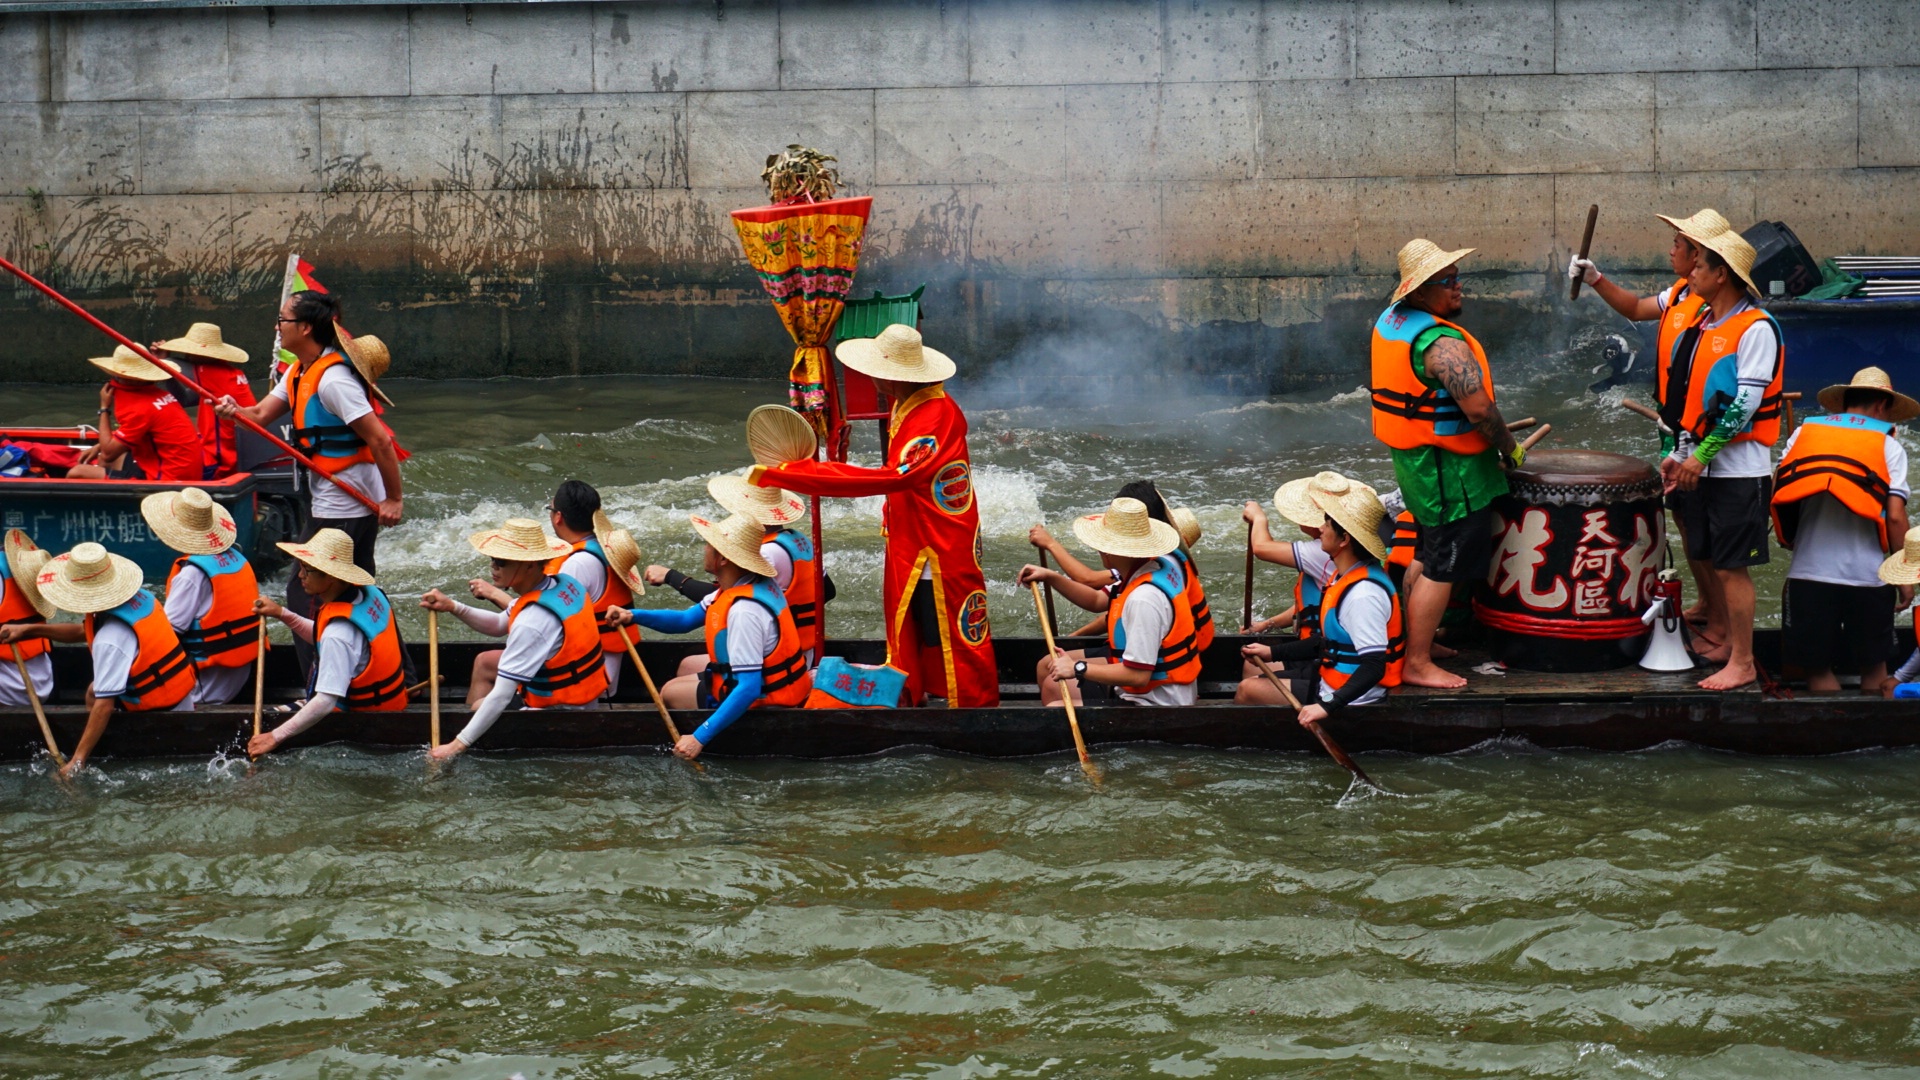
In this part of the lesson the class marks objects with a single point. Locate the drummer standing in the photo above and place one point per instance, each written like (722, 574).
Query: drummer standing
(1433, 406)
(22, 606)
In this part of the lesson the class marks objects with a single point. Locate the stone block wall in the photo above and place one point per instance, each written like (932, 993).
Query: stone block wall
(1209, 187)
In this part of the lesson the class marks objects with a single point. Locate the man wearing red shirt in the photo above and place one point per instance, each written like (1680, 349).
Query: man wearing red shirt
(152, 424)
(221, 369)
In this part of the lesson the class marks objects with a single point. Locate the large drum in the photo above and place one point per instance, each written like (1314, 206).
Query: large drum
(1578, 545)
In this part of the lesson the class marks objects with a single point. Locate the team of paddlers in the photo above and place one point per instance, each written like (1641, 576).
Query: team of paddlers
(1372, 584)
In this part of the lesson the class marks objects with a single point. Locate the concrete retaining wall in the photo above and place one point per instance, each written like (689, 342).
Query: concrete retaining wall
(1210, 186)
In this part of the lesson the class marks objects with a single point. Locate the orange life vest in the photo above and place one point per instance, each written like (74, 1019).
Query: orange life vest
(576, 674)
(803, 592)
(327, 439)
(1405, 534)
(14, 608)
(1196, 599)
(1339, 662)
(380, 686)
(161, 676)
(783, 674)
(616, 593)
(1680, 314)
(1843, 455)
(1178, 661)
(1407, 413)
(1307, 592)
(1713, 380)
(229, 633)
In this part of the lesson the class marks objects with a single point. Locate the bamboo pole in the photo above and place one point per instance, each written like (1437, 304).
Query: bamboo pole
(39, 713)
(1066, 694)
(433, 676)
(259, 678)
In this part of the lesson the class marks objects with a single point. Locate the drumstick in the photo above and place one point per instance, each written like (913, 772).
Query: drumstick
(1522, 425)
(1586, 245)
(1543, 432)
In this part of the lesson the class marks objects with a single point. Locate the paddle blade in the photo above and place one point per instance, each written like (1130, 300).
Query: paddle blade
(777, 434)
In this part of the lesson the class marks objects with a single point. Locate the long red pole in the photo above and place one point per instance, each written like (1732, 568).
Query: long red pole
(165, 365)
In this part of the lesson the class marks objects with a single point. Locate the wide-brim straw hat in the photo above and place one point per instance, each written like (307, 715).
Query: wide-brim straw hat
(369, 357)
(1710, 230)
(330, 551)
(1293, 503)
(1420, 260)
(1903, 408)
(770, 506)
(623, 557)
(1354, 506)
(127, 364)
(25, 560)
(1126, 530)
(203, 339)
(1903, 566)
(519, 540)
(89, 579)
(737, 539)
(897, 354)
(1187, 525)
(189, 521)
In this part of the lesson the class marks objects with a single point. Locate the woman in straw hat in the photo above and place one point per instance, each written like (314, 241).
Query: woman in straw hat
(1157, 509)
(1840, 502)
(1315, 568)
(1362, 644)
(1433, 405)
(553, 654)
(1902, 571)
(933, 590)
(1676, 305)
(210, 590)
(360, 661)
(139, 664)
(149, 423)
(22, 605)
(753, 655)
(1724, 405)
(1152, 657)
(221, 369)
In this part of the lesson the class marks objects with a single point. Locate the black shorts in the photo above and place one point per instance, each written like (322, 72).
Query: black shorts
(1458, 551)
(1726, 520)
(1836, 627)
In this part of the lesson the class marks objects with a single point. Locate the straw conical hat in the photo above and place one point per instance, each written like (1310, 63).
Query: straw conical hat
(24, 563)
(1294, 504)
(127, 364)
(1126, 530)
(896, 354)
(1708, 229)
(1903, 409)
(203, 339)
(737, 539)
(1187, 525)
(1420, 260)
(330, 551)
(767, 505)
(1706, 222)
(88, 579)
(1353, 506)
(189, 521)
(369, 357)
(1903, 566)
(519, 540)
(623, 558)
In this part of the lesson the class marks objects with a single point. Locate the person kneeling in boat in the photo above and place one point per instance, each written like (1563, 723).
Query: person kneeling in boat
(139, 664)
(753, 654)
(1152, 656)
(22, 606)
(1362, 645)
(358, 656)
(210, 591)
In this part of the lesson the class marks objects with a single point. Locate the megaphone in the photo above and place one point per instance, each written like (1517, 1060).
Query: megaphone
(1667, 651)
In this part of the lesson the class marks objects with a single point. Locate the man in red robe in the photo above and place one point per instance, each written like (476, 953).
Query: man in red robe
(934, 593)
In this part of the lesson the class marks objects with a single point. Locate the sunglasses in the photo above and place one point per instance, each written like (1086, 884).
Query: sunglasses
(503, 564)
(1451, 281)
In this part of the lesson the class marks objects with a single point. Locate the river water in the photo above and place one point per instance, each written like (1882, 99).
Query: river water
(337, 913)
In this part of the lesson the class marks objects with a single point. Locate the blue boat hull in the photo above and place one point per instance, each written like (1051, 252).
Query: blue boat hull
(58, 514)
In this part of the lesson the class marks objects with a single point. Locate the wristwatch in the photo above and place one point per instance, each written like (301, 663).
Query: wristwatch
(1080, 669)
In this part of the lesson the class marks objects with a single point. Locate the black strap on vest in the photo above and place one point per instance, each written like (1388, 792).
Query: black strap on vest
(571, 673)
(380, 691)
(159, 673)
(207, 642)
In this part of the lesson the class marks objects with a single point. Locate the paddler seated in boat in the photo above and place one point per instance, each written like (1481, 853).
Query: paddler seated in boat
(1315, 568)
(1839, 503)
(554, 654)
(22, 605)
(1152, 657)
(1902, 570)
(221, 369)
(358, 656)
(148, 422)
(753, 656)
(210, 590)
(1101, 579)
(139, 664)
(785, 547)
(1361, 648)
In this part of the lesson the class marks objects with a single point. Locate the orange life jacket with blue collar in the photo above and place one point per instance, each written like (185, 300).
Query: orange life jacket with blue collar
(1407, 413)
(161, 675)
(1178, 660)
(1307, 592)
(1406, 533)
(576, 674)
(1195, 598)
(381, 685)
(803, 592)
(616, 594)
(783, 674)
(14, 608)
(1711, 365)
(1340, 660)
(229, 633)
(1843, 455)
(330, 441)
(1680, 314)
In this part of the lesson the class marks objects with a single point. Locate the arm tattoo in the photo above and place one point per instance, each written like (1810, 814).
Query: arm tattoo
(1450, 361)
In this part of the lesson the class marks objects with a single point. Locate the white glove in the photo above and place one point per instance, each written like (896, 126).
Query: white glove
(1583, 269)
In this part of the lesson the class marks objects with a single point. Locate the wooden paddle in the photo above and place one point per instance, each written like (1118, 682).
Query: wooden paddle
(1066, 694)
(1053, 616)
(1586, 245)
(1246, 591)
(40, 713)
(433, 676)
(259, 677)
(1326, 740)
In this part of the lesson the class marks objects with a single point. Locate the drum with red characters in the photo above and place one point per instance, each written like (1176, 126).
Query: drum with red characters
(1578, 546)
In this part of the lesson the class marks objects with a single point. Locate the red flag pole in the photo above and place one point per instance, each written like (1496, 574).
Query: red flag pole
(168, 366)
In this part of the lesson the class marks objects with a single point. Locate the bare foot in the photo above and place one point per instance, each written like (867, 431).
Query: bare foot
(1430, 676)
(1697, 612)
(1730, 677)
(1442, 652)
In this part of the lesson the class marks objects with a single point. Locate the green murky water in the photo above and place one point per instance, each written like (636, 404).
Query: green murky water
(336, 913)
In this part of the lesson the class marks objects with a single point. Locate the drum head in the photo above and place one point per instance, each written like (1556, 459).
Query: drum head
(1583, 478)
